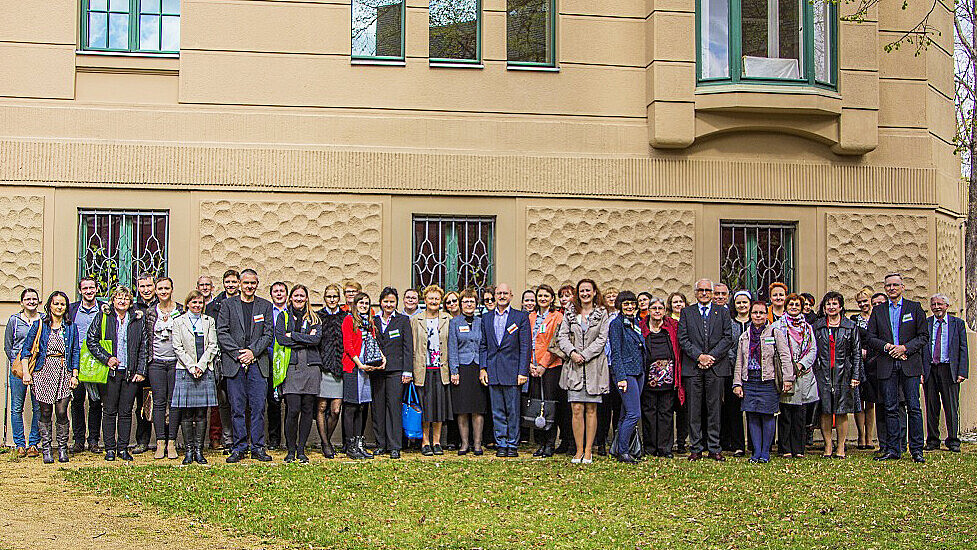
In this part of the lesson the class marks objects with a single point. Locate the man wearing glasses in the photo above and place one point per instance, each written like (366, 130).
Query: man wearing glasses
(705, 336)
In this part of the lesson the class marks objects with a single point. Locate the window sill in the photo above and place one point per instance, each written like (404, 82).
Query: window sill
(533, 68)
(126, 62)
(753, 98)
(381, 62)
(459, 65)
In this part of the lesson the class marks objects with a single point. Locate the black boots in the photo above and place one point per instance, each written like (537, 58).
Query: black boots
(361, 448)
(352, 450)
(189, 440)
(200, 433)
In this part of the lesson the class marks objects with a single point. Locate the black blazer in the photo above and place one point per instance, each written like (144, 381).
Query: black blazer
(397, 343)
(137, 340)
(694, 342)
(230, 334)
(913, 334)
(957, 344)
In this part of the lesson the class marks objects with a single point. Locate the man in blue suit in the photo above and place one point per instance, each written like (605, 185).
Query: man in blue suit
(947, 358)
(504, 357)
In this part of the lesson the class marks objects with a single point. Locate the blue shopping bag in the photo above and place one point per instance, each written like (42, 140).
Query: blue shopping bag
(411, 413)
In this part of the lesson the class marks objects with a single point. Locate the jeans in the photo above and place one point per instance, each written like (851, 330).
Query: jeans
(890, 393)
(630, 411)
(248, 390)
(505, 415)
(18, 394)
(762, 428)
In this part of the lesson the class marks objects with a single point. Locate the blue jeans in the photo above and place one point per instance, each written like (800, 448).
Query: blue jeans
(630, 411)
(890, 394)
(248, 390)
(505, 415)
(18, 394)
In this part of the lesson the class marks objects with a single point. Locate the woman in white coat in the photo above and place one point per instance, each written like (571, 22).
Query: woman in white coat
(195, 391)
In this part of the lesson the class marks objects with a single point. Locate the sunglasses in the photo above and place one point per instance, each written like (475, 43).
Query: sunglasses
(451, 301)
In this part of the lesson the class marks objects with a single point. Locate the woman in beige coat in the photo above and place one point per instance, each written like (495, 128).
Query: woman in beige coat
(581, 337)
(195, 389)
(431, 373)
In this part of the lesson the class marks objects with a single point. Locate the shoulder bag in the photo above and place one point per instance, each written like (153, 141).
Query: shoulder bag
(17, 368)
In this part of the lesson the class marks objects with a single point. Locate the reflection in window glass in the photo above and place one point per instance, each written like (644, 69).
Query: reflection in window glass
(529, 31)
(454, 29)
(822, 39)
(714, 31)
(378, 28)
(159, 25)
(772, 38)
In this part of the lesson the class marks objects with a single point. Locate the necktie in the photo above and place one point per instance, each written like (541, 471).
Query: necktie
(937, 345)
(705, 319)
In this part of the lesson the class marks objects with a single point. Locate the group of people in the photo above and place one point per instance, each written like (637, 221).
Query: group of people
(657, 370)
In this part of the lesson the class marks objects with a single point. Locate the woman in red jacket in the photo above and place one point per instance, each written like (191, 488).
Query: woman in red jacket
(358, 330)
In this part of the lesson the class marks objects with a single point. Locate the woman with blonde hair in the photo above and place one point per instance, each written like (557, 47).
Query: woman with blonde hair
(867, 394)
(195, 387)
(431, 372)
(331, 354)
(300, 330)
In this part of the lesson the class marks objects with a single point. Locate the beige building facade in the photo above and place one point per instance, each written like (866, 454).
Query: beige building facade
(644, 143)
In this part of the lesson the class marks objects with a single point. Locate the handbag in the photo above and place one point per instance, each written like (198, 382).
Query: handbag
(281, 356)
(538, 413)
(635, 447)
(91, 369)
(17, 368)
(372, 355)
(411, 413)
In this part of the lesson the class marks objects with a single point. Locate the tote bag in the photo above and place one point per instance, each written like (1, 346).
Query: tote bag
(281, 356)
(91, 369)
(411, 413)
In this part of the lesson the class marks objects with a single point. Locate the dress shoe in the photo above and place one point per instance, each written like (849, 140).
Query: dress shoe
(626, 458)
(538, 452)
(327, 450)
(395, 453)
(501, 452)
(62, 454)
(380, 451)
(695, 456)
(667, 455)
(215, 444)
(93, 447)
(575, 460)
(124, 455)
(109, 455)
(140, 448)
(753, 461)
(290, 457)
(547, 451)
(888, 456)
(302, 458)
(587, 461)
(511, 452)
(274, 445)
(680, 449)
(954, 449)
(919, 458)
(234, 457)
(437, 449)
(78, 447)
(32, 452)
(601, 450)
(426, 450)
(478, 451)
(464, 450)
(738, 452)
(260, 454)
(718, 457)
(932, 446)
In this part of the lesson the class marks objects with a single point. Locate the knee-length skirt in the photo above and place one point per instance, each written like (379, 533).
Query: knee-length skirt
(331, 386)
(190, 392)
(760, 397)
(435, 400)
(469, 396)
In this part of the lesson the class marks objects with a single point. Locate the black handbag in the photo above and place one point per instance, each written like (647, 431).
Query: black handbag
(538, 413)
(635, 447)
(371, 350)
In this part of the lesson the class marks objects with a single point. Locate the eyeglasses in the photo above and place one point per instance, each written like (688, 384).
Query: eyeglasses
(489, 299)
(703, 290)
(331, 296)
(451, 301)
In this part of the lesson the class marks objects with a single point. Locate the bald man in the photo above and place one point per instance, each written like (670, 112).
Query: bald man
(504, 358)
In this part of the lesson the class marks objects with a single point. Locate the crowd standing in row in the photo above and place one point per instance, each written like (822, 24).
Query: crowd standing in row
(653, 368)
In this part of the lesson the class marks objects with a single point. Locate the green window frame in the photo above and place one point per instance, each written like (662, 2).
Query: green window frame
(811, 45)
(440, 30)
(525, 25)
(131, 26)
(373, 18)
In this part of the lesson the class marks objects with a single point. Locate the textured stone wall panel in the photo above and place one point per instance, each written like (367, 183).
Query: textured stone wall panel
(313, 243)
(948, 262)
(862, 248)
(634, 248)
(21, 238)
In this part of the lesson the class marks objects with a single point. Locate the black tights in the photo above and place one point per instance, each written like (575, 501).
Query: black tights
(190, 414)
(352, 420)
(297, 427)
(59, 410)
(327, 418)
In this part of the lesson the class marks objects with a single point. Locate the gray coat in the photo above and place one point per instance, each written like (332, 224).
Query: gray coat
(593, 374)
(230, 334)
(805, 384)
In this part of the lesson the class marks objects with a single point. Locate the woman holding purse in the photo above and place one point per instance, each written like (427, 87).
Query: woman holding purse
(663, 366)
(431, 372)
(55, 372)
(300, 330)
(13, 341)
(361, 354)
(546, 366)
(195, 386)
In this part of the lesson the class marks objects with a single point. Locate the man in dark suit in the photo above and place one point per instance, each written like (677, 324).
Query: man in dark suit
(397, 344)
(948, 362)
(897, 332)
(705, 334)
(244, 332)
(504, 358)
(82, 313)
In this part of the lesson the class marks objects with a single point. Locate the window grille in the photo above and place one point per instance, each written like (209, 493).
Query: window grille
(753, 255)
(454, 252)
(116, 246)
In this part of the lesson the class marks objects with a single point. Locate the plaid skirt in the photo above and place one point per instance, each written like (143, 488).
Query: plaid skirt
(190, 392)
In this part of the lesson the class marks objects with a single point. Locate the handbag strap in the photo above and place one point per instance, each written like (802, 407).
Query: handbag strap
(37, 339)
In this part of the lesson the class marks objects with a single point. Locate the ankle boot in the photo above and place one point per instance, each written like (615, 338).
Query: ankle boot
(188, 441)
(44, 428)
(160, 449)
(200, 431)
(361, 448)
(171, 449)
(352, 451)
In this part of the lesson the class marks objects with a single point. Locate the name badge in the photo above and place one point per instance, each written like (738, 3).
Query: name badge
(770, 340)
(259, 318)
(464, 329)
(512, 328)
(907, 317)
(394, 333)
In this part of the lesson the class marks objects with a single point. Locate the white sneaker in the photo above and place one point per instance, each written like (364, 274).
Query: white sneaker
(575, 460)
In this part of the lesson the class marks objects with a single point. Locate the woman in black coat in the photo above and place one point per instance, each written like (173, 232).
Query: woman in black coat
(838, 369)
(397, 344)
(331, 354)
(298, 329)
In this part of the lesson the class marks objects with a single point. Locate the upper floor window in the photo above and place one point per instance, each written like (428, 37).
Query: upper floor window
(378, 29)
(455, 31)
(151, 26)
(530, 32)
(767, 41)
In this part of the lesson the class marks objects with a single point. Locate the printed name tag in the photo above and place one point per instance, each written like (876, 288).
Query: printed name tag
(464, 329)
(259, 318)
(394, 333)
(512, 328)
(907, 317)
(770, 340)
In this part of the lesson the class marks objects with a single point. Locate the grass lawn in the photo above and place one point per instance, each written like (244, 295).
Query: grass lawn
(526, 503)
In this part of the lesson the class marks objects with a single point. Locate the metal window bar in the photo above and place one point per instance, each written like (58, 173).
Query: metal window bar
(754, 255)
(116, 246)
(453, 252)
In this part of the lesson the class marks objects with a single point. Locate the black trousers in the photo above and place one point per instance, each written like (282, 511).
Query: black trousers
(656, 411)
(144, 428)
(703, 399)
(549, 385)
(791, 429)
(608, 414)
(78, 397)
(386, 389)
(681, 421)
(118, 396)
(300, 410)
(942, 388)
(162, 378)
(731, 425)
(273, 419)
(353, 419)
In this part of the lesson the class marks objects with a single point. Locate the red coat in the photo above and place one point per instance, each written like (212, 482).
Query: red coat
(671, 327)
(352, 342)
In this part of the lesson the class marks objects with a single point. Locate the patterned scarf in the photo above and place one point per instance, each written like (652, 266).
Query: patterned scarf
(800, 332)
(755, 333)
